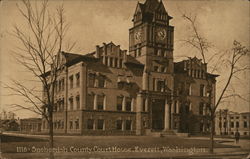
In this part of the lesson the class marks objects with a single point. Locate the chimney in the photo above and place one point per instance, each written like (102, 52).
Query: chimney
(97, 53)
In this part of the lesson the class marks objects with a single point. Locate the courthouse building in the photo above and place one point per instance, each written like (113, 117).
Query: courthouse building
(112, 91)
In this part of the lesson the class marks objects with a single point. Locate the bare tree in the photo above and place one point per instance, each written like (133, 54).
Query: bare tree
(233, 60)
(41, 43)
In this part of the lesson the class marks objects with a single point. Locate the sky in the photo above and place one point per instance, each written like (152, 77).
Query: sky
(93, 22)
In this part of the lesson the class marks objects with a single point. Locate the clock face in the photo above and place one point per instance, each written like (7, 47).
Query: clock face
(138, 35)
(161, 34)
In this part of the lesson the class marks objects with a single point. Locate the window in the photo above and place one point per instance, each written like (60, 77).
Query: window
(139, 52)
(119, 125)
(78, 102)
(119, 103)
(201, 109)
(128, 125)
(116, 62)
(232, 124)
(91, 80)
(244, 117)
(160, 86)
(90, 124)
(90, 101)
(71, 103)
(62, 104)
(237, 117)
(189, 89)
(62, 124)
(144, 104)
(202, 90)
(231, 117)
(106, 61)
(111, 62)
(128, 104)
(77, 123)
(225, 124)
(120, 63)
(62, 84)
(70, 124)
(245, 124)
(156, 68)
(101, 82)
(100, 124)
(237, 124)
(55, 107)
(245, 133)
(100, 100)
(162, 69)
(78, 79)
(71, 81)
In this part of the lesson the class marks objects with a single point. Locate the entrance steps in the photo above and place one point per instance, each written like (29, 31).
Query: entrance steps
(162, 133)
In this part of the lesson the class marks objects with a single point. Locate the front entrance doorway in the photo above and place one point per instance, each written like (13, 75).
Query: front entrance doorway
(158, 109)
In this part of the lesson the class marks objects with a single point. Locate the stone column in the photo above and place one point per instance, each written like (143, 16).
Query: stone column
(146, 104)
(139, 104)
(132, 104)
(204, 109)
(124, 104)
(172, 115)
(177, 107)
(145, 80)
(95, 102)
(104, 102)
(167, 116)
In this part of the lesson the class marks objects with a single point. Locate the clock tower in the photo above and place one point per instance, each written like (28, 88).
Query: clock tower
(151, 43)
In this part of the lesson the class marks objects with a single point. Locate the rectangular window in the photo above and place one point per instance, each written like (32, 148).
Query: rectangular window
(119, 125)
(71, 125)
(62, 124)
(116, 62)
(90, 124)
(144, 104)
(201, 109)
(78, 102)
(119, 103)
(156, 68)
(78, 79)
(160, 86)
(101, 82)
(91, 81)
(71, 80)
(162, 69)
(100, 124)
(62, 104)
(189, 89)
(62, 84)
(111, 62)
(244, 117)
(232, 124)
(77, 124)
(202, 90)
(100, 100)
(71, 103)
(120, 63)
(237, 124)
(128, 104)
(237, 117)
(128, 125)
(90, 101)
(106, 61)
(245, 124)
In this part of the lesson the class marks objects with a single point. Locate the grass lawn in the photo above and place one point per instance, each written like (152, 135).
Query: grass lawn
(10, 143)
